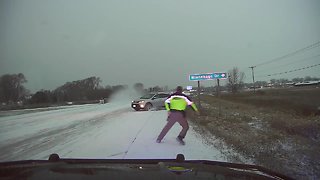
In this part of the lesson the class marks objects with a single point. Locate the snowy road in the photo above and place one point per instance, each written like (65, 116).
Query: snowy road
(96, 131)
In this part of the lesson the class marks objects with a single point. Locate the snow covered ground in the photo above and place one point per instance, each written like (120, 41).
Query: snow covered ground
(110, 131)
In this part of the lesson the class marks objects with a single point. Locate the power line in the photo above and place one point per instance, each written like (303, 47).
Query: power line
(300, 60)
(309, 47)
(290, 71)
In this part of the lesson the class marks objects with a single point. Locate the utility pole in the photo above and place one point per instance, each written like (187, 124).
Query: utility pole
(199, 94)
(218, 88)
(254, 86)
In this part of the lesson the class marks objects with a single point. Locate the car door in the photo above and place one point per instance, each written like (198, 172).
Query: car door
(162, 98)
(155, 100)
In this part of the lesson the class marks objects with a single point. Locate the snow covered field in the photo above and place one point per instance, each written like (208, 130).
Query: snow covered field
(110, 131)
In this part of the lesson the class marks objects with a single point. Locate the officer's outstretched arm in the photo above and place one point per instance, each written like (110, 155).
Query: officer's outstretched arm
(194, 107)
(167, 106)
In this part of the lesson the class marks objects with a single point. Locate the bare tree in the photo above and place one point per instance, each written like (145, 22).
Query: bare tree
(309, 78)
(155, 89)
(78, 90)
(12, 88)
(235, 80)
(138, 87)
(297, 80)
(261, 83)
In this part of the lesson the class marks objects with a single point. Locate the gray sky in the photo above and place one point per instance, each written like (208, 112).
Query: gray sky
(153, 42)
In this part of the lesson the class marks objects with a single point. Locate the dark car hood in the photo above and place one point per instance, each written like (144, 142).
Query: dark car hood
(56, 168)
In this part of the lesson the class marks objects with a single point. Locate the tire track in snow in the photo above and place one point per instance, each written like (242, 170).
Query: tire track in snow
(135, 137)
(25, 148)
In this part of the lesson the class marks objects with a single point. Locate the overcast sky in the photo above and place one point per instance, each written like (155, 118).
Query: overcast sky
(154, 42)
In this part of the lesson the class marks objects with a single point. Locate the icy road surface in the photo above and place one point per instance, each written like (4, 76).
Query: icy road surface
(109, 131)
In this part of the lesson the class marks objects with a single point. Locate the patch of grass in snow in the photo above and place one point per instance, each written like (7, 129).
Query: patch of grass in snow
(275, 135)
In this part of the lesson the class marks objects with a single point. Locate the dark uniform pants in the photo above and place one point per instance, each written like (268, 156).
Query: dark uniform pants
(172, 119)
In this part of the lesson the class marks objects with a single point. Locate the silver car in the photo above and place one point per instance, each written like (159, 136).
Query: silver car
(149, 101)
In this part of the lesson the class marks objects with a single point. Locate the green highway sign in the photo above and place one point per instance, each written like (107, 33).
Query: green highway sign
(208, 76)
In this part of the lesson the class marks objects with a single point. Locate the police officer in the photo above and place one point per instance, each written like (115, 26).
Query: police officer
(176, 105)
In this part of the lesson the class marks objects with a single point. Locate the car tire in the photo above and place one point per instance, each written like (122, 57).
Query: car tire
(148, 106)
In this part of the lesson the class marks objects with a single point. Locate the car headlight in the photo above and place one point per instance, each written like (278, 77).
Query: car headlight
(141, 101)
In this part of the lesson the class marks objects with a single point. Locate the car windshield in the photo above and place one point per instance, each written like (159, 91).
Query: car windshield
(147, 96)
(236, 81)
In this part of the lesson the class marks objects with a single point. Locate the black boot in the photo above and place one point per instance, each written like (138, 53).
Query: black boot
(180, 140)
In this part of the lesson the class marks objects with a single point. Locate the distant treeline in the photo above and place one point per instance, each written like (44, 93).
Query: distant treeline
(88, 89)
(238, 85)
(12, 91)
(282, 81)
